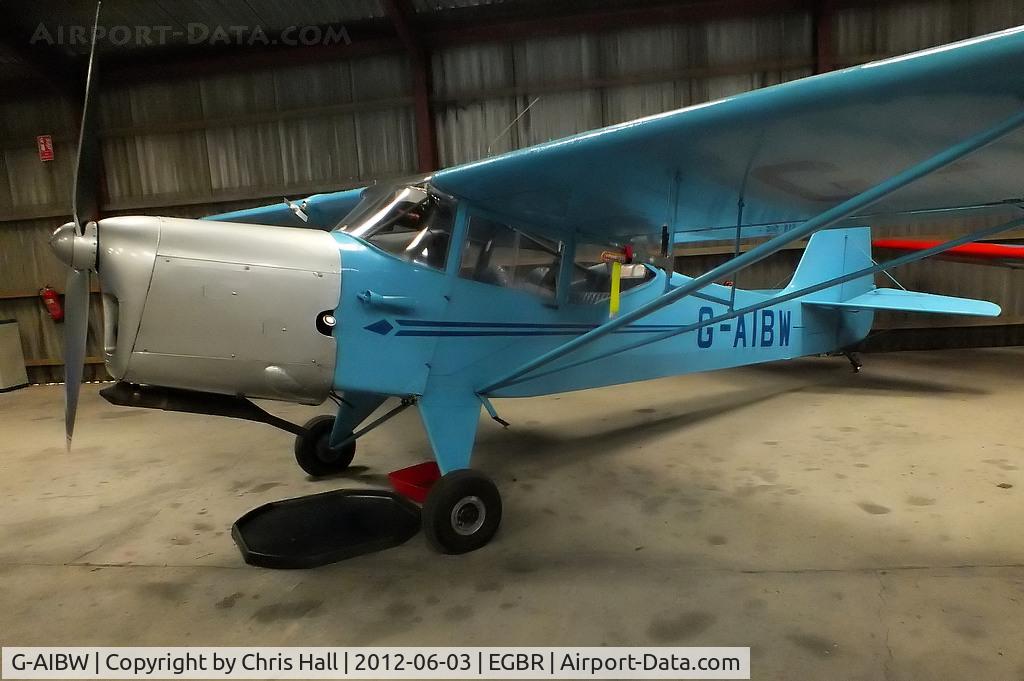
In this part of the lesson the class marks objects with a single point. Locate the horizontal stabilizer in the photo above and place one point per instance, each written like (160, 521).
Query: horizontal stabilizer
(896, 300)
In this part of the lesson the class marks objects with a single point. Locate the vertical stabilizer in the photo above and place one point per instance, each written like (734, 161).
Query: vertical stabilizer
(831, 253)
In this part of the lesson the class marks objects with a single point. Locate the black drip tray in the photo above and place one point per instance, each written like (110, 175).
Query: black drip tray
(324, 528)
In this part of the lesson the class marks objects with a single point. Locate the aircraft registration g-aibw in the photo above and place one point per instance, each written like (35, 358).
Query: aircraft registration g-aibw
(547, 269)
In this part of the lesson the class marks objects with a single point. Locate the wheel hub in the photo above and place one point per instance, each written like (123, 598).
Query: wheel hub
(324, 451)
(468, 515)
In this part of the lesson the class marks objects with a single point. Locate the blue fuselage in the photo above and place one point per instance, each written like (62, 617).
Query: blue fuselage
(404, 327)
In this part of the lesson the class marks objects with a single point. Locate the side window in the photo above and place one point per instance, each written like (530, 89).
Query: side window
(499, 255)
(592, 276)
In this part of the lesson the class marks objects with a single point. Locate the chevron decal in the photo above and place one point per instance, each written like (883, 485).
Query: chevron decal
(383, 327)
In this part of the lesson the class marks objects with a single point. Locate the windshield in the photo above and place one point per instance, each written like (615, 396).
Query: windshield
(408, 222)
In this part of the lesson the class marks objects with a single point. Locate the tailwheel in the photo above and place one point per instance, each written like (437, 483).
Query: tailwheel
(313, 451)
(462, 512)
(854, 360)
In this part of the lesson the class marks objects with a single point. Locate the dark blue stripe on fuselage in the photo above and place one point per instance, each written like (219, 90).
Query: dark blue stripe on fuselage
(517, 332)
(518, 325)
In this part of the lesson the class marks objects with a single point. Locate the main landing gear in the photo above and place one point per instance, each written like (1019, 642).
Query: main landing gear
(462, 512)
(314, 453)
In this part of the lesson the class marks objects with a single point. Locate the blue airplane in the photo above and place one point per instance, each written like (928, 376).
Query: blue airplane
(549, 269)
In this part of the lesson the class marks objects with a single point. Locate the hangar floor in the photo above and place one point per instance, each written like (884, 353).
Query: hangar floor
(844, 526)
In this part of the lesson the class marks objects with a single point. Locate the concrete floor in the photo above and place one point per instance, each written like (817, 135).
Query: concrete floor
(844, 526)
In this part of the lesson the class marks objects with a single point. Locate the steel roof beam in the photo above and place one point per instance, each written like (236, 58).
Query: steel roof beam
(823, 16)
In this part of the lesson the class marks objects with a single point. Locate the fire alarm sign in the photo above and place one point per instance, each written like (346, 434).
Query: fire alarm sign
(45, 145)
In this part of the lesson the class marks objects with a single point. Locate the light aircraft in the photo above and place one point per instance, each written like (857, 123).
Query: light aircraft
(547, 269)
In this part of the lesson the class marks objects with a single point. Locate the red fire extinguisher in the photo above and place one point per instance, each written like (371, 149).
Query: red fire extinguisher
(52, 302)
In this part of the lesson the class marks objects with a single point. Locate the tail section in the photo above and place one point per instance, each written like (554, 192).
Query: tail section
(832, 253)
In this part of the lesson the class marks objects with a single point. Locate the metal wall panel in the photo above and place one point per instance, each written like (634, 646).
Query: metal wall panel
(638, 52)
(163, 166)
(867, 32)
(6, 186)
(474, 128)
(386, 143)
(32, 183)
(240, 93)
(582, 82)
(245, 156)
(317, 152)
(310, 85)
(309, 129)
(987, 16)
(27, 183)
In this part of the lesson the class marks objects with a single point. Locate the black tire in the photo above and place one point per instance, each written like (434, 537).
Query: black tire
(313, 452)
(462, 512)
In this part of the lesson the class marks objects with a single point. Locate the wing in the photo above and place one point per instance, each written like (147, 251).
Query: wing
(1006, 255)
(323, 210)
(791, 151)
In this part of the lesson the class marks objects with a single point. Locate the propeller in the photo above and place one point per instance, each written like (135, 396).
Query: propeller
(86, 199)
(76, 329)
(76, 245)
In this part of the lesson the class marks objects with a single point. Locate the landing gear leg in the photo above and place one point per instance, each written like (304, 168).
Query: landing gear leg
(463, 509)
(321, 450)
(854, 359)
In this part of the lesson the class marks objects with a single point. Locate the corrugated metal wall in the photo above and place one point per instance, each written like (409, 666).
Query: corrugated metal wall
(216, 142)
(494, 98)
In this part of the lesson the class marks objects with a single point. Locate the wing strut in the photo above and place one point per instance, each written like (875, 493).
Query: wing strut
(775, 300)
(822, 220)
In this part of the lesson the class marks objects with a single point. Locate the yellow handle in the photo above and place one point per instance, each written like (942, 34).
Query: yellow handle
(613, 304)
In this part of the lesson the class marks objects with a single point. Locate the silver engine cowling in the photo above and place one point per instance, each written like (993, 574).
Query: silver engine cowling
(219, 307)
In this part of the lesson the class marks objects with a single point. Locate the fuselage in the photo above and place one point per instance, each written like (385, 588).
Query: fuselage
(292, 314)
(404, 325)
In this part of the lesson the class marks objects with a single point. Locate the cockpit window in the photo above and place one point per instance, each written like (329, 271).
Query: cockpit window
(409, 222)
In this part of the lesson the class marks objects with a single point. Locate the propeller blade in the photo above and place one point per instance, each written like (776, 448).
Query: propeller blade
(76, 330)
(86, 200)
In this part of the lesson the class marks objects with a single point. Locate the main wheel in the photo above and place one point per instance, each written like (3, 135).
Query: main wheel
(462, 512)
(313, 452)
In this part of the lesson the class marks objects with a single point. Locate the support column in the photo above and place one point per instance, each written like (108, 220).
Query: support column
(401, 14)
(824, 55)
